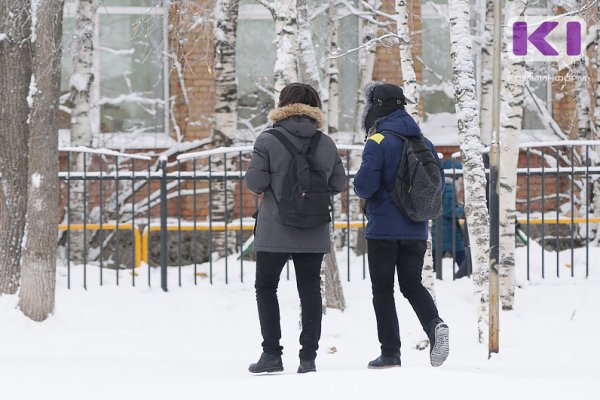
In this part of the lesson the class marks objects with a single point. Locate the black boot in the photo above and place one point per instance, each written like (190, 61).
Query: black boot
(267, 363)
(385, 362)
(307, 366)
(439, 345)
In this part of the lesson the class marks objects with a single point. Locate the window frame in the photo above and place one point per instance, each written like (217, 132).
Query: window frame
(434, 11)
(99, 139)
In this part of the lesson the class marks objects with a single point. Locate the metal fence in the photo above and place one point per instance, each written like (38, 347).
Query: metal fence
(193, 214)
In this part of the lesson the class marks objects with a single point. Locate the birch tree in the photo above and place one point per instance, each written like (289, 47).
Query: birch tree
(582, 100)
(284, 13)
(367, 32)
(511, 117)
(81, 126)
(331, 101)
(332, 286)
(409, 82)
(409, 78)
(467, 111)
(224, 131)
(309, 69)
(38, 277)
(486, 71)
(596, 67)
(16, 76)
(225, 116)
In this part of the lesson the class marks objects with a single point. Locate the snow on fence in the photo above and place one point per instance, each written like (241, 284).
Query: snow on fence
(160, 222)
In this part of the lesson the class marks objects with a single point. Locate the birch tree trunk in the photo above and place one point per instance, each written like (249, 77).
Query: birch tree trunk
(486, 72)
(511, 117)
(15, 79)
(331, 102)
(226, 101)
(330, 283)
(286, 25)
(286, 37)
(582, 100)
(38, 275)
(596, 67)
(334, 294)
(467, 110)
(83, 73)
(224, 131)
(409, 78)
(366, 64)
(309, 70)
(81, 125)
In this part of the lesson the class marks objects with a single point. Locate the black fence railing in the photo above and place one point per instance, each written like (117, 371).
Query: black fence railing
(129, 218)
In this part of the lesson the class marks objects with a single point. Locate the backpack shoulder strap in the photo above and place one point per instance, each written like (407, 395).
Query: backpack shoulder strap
(314, 142)
(287, 143)
(404, 138)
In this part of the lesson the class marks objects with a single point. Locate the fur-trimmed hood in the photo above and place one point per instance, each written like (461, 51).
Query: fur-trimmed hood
(295, 110)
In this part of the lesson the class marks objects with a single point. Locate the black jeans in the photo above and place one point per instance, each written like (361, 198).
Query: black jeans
(308, 281)
(405, 257)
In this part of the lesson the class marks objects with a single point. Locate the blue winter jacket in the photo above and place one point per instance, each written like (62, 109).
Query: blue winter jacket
(448, 198)
(377, 174)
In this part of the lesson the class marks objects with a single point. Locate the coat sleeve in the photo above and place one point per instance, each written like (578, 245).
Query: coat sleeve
(337, 180)
(258, 176)
(368, 178)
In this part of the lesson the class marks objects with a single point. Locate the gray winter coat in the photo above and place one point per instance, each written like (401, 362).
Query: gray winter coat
(266, 172)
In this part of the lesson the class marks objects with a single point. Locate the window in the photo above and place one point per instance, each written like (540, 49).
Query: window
(130, 86)
(255, 59)
(436, 90)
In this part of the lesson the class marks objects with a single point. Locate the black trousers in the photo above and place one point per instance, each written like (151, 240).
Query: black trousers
(406, 258)
(308, 281)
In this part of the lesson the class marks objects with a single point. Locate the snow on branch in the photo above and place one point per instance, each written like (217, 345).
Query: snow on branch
(546, 118)
(382, 38)
(367, 16)
(105, 152)
(377, 11)
(117, 52)
(129, 98)
(268, 5)
(318, 12)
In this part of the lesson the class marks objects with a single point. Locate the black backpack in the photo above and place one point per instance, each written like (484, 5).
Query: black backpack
(306, 200)
(418, 187)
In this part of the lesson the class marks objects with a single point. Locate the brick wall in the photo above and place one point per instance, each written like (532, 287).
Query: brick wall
(194, 46)
(387, 56)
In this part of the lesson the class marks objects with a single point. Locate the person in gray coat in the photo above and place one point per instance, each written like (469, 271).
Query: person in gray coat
(299, 117)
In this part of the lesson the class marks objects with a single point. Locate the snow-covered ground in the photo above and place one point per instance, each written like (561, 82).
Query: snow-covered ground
(196, 342)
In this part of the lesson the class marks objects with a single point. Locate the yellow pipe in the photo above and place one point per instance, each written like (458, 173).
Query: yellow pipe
(551, 221)
(137, 237)
(219, 227)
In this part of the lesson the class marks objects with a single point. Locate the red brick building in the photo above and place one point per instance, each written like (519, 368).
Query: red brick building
(155, 78)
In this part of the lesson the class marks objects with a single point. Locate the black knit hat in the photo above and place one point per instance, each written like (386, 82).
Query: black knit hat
(381, 99)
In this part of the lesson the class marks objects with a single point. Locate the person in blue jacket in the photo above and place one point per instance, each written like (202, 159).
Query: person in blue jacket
(453, 212)
(394, 242)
